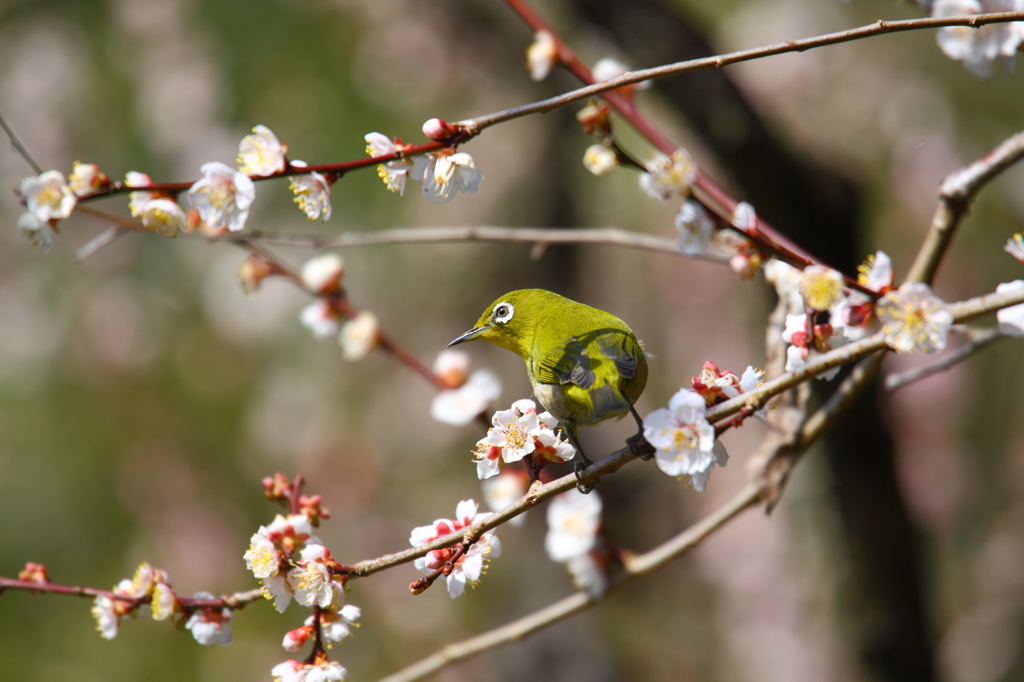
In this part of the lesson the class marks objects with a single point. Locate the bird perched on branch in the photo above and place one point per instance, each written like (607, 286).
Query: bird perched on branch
(585, 365)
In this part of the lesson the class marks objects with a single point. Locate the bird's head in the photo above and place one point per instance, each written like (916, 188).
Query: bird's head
(511, 321)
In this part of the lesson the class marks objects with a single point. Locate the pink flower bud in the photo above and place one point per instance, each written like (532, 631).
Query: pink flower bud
(437, 129)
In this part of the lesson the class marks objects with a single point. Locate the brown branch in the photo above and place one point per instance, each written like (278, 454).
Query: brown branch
(231, 601)
(475, 125)
(956, 194)
(16, 143)
(979, 339)
(607, 236)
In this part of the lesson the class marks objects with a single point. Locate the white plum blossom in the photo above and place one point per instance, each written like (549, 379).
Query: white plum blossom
(459, 406)
(312, 193)
(1011, 320)
(573, 522)
(978, 47)
(223, 196)
(321, 318)
(600, 160)
(47, 196)
(668, 176)
(359, 336)
(261, 153)
(541, 55)
(1015, 247)
(164, 217)
(448, 174)
(914, 319)
(695, 229)
(394, 173)
(516, 433)
(322, 274)
(87, 178)
(39, 233)
(313, 580)
(210, 626)
(469, 567)
(821, 287)
(684, 440)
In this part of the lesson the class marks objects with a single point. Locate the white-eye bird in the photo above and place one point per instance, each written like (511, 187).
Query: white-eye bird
(585, 365)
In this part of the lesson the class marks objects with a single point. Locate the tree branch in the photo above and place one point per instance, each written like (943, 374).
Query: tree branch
(979, 339)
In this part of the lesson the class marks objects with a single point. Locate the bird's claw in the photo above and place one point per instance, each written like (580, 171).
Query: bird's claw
(578, 468)
(639, 446)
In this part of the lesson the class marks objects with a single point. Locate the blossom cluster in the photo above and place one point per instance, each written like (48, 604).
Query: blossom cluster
(149, 591)
(517, 433)
(444, 173)
(978, 47)
(461, 568)
(321, 276)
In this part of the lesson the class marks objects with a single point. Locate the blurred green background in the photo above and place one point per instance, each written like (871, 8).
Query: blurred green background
(143, 395)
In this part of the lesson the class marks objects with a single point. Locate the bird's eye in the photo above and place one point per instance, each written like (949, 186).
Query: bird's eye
(503, 312)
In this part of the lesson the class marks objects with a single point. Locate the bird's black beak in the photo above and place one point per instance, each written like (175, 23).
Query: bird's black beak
(473, 333)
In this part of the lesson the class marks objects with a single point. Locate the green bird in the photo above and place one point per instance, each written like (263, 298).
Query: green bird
(585, 365)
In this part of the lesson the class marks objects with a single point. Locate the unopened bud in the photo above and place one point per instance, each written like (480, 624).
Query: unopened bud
(437, 129)
(418, 586)
(322, 275)
(252, 272)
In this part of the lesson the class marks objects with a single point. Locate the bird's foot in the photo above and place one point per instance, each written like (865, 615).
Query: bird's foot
(639, 446)
(578, 468)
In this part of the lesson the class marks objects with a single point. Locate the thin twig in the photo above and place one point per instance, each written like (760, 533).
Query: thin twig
(93, 246)
(955, 196)
(16, 143)
(979, 339)
(611, 236)
(475, 125)
(231, 601)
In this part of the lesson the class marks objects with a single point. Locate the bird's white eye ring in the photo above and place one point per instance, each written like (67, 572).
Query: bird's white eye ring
(503, 312)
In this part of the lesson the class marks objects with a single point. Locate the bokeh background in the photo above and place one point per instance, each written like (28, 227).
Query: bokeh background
(143, 396)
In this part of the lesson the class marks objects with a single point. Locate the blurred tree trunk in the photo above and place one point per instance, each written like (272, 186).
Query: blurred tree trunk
(821, 211)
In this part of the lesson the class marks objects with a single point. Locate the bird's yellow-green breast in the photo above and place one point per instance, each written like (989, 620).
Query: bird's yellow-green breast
(585, 365)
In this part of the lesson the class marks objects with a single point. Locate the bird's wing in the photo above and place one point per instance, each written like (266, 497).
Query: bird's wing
(599, 364)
